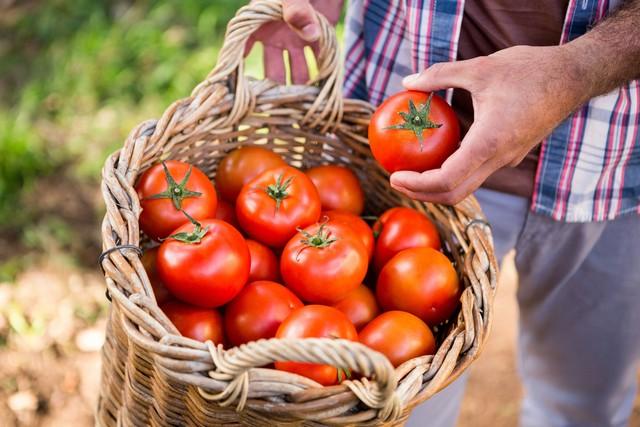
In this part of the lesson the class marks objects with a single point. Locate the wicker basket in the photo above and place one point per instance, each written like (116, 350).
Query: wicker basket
(153, 376)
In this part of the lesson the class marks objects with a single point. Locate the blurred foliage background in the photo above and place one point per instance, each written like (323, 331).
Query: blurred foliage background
(75, 77)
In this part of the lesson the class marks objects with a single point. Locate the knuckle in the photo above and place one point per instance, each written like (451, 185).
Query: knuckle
(297, 13)
(434, 70)
(449, 198)
(447, 185)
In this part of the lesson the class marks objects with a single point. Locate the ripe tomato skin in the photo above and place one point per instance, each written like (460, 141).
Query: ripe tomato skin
(264, 263)
(241, 166)
(402, 228)
(159, 217)
(356, 223)
(258, 311)
(324, 275)
(421, 281)
(359, 306)
(399, 335)
(338, 187)
(264, 221)
(209, 273)
(315, 321)
(198, 323)
(399, 149)
(160, 291)
(226, 212)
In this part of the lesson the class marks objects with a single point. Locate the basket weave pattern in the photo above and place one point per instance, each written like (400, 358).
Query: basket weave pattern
(153, 376)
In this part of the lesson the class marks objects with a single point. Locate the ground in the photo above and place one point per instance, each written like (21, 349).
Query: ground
(51, 329)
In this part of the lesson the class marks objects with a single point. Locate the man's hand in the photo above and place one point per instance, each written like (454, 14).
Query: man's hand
(519, 96)
(301, 29)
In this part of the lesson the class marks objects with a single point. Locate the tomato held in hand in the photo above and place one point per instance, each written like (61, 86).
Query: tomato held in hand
(399, 335)
(323, 263)
(241, 166)
(402, 228)
(258, 311)
(160, 291)
(356, 223)
(264, 263)
(413, 131)
(226, 212)
(321, 322)
(360, 306)
(205, 264)
(272, 205)
(166, 188)
(338, 187)
(421, 281)
(198, 323)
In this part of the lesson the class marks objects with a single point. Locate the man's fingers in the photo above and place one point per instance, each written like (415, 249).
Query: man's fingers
(299, 68)
(302, 19)
(470, 156)
(274, 64)
(442, 75)
(457, 194)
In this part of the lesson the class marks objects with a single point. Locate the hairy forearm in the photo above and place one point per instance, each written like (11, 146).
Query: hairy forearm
(608, 56)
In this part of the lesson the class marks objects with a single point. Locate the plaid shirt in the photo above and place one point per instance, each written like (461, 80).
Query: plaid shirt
(589, 166)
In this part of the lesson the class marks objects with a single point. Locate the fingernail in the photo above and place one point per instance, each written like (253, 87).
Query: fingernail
(410, 79)
(311, 32)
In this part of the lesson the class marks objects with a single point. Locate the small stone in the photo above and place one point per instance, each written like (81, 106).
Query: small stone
(23, 401)
(90, 339)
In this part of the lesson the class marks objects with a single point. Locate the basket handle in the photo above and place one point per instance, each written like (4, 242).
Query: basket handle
(328, 105)
(233, 365)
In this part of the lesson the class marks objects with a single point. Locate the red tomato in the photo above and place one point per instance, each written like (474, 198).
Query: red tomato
(160, 291)
(399, 335)
(275, 203)
(324, 262)
(241, 166)
(208, 273)
(413, 131)
(338, 187)
(317, 321)
(226, 212)
(198, 323)
(163, 191)
(421, 281)
(264, 263)
(360, 306)
(258, 311)
(356, 223)
(402, 228)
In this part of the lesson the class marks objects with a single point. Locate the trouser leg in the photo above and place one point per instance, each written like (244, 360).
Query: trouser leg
(579, 343)
(506, 214)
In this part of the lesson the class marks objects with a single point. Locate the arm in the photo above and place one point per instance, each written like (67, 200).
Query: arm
(520, 95)
(301, 29)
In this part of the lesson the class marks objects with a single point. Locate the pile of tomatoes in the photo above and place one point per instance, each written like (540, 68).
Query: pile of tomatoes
(273, 251)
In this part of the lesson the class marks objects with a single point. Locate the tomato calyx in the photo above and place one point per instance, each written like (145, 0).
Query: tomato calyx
(417, 119)
(278, 190)
(192, 237)
(344, 373)
(176, 191)
(321, 239)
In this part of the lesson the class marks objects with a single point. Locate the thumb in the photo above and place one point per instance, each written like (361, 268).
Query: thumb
(442, 75)
(302, 19)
